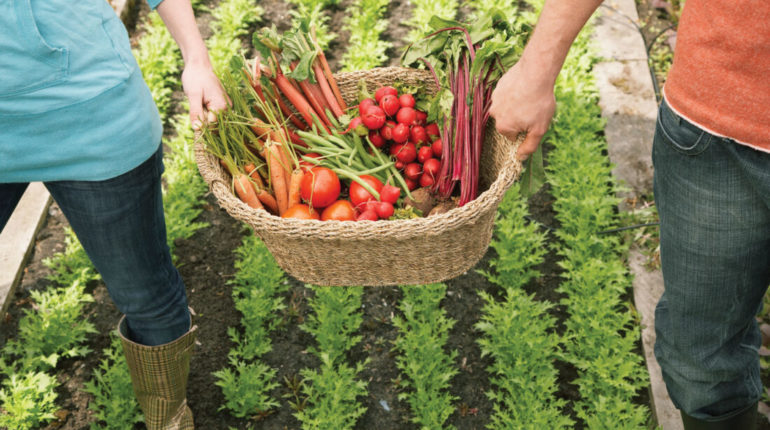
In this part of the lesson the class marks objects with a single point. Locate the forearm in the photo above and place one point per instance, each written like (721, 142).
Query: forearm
(180, 21)
(559, 23)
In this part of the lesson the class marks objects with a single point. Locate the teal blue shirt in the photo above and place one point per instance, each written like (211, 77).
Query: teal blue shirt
(73, 104)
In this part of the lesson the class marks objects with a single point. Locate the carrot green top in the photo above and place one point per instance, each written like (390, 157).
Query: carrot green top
(73, 105)
(720, 78)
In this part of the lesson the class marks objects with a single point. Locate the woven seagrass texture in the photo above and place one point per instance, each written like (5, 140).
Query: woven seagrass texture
(399, 252)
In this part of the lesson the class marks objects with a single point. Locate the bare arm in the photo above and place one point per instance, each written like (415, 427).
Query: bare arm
(201, 85)
(523, 101)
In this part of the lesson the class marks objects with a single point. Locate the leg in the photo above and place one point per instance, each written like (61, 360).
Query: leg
(121, 225)
(10, 194)
(715, 238)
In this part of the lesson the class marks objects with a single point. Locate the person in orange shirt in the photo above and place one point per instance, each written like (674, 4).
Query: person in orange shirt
(711, 154)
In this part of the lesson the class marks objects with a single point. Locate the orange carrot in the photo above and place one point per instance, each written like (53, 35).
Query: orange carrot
(296, 98)
(268, 200)
(277, 177)
(253, 173)
(294, 186)
(246, 192)
(317, 105)
(327, 91)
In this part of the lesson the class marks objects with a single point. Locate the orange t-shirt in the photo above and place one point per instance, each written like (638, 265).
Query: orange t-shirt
(720, 78)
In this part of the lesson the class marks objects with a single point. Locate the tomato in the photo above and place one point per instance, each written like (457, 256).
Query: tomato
(387, 130)
(390, 194)
(426, 180)
(365, 103)
(377, 140)
(431, 167)
(404, 152)
(406, 100)
(417, 134)
(300, 211)
(383, 91)
(374, 118)
(384, 210)
(368, 215)
(358, 194)
(406, 116)
(437, 148)
(424, 153)
(320, 186)
(389, 104)
(413, 171)
(400, 133)
(432, 130)
(341, 210)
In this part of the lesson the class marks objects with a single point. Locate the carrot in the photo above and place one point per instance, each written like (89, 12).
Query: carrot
(246, 192)
(291, 115)
(253, 173)
(296, 98)
(315, 102)
(294, 186)
(277, 177)
(268, 200)
(327, 91)
(327, 71)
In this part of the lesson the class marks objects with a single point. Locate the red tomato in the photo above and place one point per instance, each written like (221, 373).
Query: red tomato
(384, 210)
(368, 215)
(406, 116)
(390, 194)
(374, 118)
(377, 140)
(400, 133)
(431, 167)
(383, 91)
(437, 148)
(341, 210)
(417, 134)
(358, 194)
(426, 180)
(432, 130)
(389, 104)
(406, 100)
(387, 130)
(320, 186)
(365, 103)
(413, 171)
(404, 152)
(424, 153)
(300, 211)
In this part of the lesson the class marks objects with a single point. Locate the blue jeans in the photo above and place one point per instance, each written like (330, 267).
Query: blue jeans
(121, 225)
(713, 197)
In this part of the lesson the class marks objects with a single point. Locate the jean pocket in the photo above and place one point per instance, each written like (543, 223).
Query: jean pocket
(28, 62)
(679, 133)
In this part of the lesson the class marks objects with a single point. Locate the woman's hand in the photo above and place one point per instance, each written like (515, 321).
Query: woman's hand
(204, 92)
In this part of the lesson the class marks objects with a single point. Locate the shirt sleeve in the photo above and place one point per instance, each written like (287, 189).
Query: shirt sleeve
(154, 3)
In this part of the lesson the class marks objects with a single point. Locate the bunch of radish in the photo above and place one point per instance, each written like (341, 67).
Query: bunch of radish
(391, 122)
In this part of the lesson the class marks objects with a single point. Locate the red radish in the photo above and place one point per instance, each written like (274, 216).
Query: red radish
(341, 210)
(390, 193)
(437, 148)
(411, 184)
(404, 152)
(424, 153)
(387, 130)
(426, 180)
(357, 126)
(413, 171)
(366, 206)
(420, 117)
(406, 100)
(368, 215)
(431, 167)
(376, 139)
(406, 116)
(417, 134)
(383, 91)
(384, 210)
(374, 118)
(320, 186)
(399, 165)
(389, 104)
(400, 133)
(432, 130)
(359, 194)
(365, 103)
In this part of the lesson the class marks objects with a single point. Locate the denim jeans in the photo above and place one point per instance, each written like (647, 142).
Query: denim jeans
(713, 197)
(121, 225)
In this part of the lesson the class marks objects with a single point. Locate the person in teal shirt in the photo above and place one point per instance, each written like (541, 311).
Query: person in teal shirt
(76, 114)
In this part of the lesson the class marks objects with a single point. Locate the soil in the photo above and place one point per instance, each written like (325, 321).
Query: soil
(206, 263)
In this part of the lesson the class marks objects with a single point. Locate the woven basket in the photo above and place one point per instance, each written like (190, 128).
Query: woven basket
(400, 252)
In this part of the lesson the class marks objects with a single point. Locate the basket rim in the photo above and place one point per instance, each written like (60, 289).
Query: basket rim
(386, 228)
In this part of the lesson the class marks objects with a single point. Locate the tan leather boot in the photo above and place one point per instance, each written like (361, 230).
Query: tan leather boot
(159, 376)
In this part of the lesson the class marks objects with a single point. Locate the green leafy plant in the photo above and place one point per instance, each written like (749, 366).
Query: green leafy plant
(365, 22)
(28, 400)
(246, 387)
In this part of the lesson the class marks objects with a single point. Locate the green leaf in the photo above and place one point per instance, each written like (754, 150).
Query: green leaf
(533, 176)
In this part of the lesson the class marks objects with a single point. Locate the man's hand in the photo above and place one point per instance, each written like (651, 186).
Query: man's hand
(523, 102)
